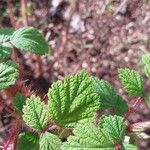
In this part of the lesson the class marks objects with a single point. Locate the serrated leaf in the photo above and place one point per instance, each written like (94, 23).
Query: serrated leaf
(35, 113)
(90, 137)
(5, 51)
(73, 100)
(146, 59)
(115, 125)
(5, 34)
(49, 141)
(28, 141)
(19, 101)
(109, 97)
(29, 39)
(129, 147)
(132, 81)
(8, 74)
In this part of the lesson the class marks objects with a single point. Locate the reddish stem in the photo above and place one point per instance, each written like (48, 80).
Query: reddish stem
(118, 146)
(133, 107)
(14, 131)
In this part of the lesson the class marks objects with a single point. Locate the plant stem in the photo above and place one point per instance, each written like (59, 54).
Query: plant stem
(133, 107)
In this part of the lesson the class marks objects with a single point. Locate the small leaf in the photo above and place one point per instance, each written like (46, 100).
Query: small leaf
(88, 136)
(109, 97)
(35, 113)
(5, 34)
(147, 70)
(28, 141)
(19, 101)
(8, 74)
(73, 100)
(49, 141)
(132, 81)
(29, 39)
(146, 59)
(5, 51)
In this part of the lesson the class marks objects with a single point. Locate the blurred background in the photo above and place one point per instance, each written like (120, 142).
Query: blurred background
(99, 36)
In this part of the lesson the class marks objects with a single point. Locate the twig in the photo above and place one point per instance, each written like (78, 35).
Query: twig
(23, 11)
(11, 14)
(120, 7)
(133, 107)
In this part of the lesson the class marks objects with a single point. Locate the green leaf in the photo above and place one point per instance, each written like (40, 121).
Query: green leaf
(129, 147)
(146, 59)
(109, 97)
(49, 141)
(28, 141)
(73, 100)
(115, 126)
(19, 101)
(29, 39)
(8, 74)
(35, 113)
(5, 51)
(132, 81)
(147, 70)
(5, 34)
(90, 137)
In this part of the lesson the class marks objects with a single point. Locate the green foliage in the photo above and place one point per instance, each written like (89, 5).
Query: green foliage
(132, 81)
(146, 62)
(73, 100)
(29, 39)
(104, 137)
(109, 97)
(8, 74)
(18, 101)
(35, 113)
(49, 141)
(5, 47)
(28, 141)
(129, 147)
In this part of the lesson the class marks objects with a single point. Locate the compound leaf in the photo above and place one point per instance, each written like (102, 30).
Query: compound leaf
(90, 137)
(5, 51)
(28, 141)
(35, 113)
(8, 74)
(73, 100)
(132, 81)
(29, 39)
(109, 97)
(49, 141)
(19, 101)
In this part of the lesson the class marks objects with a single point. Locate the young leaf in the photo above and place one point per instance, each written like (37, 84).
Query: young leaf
(132, 81)
(5, 34)
(8, 74)
(29, 39)
(49, 141)
(28, 141)
(73, 100)
(147, 70)
(109, 97)
(19, 101)
(35, 113)
(90, 137)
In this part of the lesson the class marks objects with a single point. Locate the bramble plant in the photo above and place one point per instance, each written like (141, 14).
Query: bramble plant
(70, 118)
